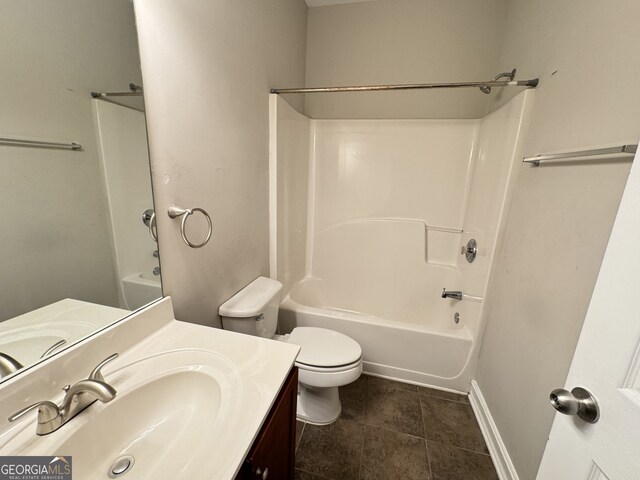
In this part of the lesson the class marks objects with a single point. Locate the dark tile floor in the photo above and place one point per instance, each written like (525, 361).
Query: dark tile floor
(395, 431)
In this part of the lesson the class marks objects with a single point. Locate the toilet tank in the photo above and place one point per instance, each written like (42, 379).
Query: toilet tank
(254, 309)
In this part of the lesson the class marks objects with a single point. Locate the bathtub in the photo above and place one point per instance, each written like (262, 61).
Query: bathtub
(140, 289)
(422, 347)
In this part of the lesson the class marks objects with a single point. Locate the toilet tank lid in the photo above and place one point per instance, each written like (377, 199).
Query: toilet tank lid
(252, 299)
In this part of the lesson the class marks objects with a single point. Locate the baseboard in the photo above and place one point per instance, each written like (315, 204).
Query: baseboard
(497, 449)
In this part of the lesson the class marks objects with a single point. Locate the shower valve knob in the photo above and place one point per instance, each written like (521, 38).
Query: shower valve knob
(470, 250)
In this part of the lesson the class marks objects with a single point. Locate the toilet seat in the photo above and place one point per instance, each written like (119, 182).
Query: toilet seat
(327, 358)
(323, 378)
(341, 368)
(325, 350)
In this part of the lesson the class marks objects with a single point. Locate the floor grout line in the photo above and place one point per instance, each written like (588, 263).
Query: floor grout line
(364, 437)
(315, 474)
(364, 432)
(426, 446)
(444, 399)
(460, 448)
(304, 425)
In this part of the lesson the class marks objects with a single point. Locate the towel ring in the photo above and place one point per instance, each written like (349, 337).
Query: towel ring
(175, 212)
(149, 219)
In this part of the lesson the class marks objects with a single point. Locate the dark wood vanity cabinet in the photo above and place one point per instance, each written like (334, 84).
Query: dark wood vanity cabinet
(272, 455)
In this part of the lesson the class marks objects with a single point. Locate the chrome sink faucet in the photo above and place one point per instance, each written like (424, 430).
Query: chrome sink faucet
(8, 365)
(77, 397)
(455, 294)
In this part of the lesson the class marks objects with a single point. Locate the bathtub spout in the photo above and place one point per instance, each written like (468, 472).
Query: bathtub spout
(456, 294)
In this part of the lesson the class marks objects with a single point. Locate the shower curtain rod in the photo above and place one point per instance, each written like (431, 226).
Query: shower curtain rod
(485, 87)
(135, 91)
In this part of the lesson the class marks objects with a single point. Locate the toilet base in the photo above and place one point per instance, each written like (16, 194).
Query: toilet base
(319, 406)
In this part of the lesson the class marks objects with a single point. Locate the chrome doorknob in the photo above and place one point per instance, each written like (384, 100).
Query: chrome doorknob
(578, 402)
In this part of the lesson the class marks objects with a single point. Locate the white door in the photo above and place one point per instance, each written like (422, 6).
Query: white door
(607, 364)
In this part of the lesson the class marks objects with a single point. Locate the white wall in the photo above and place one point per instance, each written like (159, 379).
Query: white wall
(561, 215)
(55, 237)
(404, 41)
(208, 67)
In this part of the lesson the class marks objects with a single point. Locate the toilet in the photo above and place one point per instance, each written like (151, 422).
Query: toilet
(327, 359)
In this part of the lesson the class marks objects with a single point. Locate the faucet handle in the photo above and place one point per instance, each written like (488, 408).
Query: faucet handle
(52, 348)
(47, 411)
(96, 373)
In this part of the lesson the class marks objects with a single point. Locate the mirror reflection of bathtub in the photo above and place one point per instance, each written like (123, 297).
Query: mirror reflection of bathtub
(139, 289)
(122, 148)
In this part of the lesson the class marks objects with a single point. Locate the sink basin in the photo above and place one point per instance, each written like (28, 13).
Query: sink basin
(149, 431)
(165, 417)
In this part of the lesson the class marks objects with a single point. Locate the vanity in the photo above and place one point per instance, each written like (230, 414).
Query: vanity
(190, 402)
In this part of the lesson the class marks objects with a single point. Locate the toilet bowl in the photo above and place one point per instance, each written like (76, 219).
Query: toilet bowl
(327, 359)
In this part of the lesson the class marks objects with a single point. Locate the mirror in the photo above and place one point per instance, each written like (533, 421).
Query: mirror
(75, 179)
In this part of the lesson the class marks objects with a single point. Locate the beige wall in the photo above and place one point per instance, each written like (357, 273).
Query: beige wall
(208, 67)
(561, 215)
(403, 41)
(55, 236)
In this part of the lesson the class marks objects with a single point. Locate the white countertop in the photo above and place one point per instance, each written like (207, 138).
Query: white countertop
(249, 371)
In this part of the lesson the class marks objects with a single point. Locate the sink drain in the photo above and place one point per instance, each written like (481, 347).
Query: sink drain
(121, 466)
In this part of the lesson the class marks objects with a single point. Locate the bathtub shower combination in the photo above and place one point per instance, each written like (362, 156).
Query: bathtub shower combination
(369, 221)
(122, 147)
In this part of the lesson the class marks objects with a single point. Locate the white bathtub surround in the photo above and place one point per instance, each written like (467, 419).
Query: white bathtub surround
(122, 146)
(289, 165)
(388, 205)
